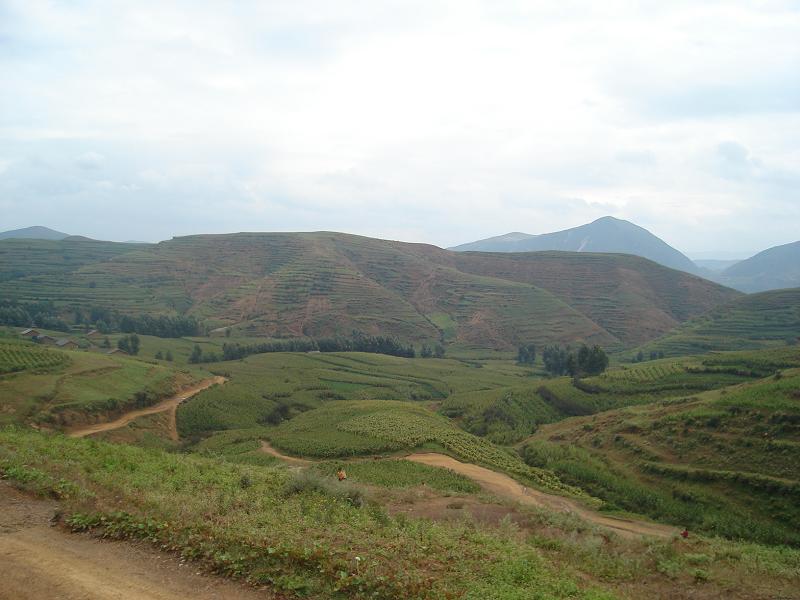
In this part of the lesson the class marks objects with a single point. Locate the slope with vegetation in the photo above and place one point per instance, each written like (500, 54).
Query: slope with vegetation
(775, 268)
(721, 462)
(329, 284)
(761, 320)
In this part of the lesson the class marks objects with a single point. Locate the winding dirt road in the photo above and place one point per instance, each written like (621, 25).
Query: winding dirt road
(38, 561)
(169, 404)
(504, 486)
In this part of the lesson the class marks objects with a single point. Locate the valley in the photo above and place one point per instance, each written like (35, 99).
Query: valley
(209, 418)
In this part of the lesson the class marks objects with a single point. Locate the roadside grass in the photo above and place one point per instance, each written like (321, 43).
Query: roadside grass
(398, 473)
(251, 522)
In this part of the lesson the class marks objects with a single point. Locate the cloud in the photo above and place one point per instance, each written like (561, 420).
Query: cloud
(441, 120)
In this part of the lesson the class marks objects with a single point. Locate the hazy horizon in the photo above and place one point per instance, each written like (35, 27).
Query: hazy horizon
(439, 122)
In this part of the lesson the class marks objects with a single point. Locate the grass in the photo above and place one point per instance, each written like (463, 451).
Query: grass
(307, 537)
(398, 473)
(80, 386)
(352, 428)
(254, 523)
(722, 461)
(763, 320)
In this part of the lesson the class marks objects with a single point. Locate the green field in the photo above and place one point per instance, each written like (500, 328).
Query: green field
(722, 461)
(62, 388)
(763, 320)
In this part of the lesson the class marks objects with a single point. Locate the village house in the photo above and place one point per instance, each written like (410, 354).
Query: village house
(116, 351)
(31, 333)
(45, 339)
(67, 344)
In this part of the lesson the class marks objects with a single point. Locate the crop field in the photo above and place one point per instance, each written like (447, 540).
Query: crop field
(83, 387)
(20, 356)
(352, 428)
(722, 461)
(763, 320)
(270, 388)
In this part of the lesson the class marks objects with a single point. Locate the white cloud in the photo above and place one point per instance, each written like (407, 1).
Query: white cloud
(441, 120)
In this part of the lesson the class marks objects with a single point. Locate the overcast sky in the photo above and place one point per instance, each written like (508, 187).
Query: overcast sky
(433, 121)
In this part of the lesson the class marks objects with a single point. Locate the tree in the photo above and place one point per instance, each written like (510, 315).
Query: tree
(134, 343)
(555, 359)
(168, 356)
(197, 354)
(587, 361)
(106, 342)
(159, 355)
(438, 351)
(425, 351)
(640, 356)
(526, 354)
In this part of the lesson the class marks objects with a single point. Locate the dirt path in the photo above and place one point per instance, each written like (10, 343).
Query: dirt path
(504, 486)
(39, 561)
(170, 404)
(300, 462)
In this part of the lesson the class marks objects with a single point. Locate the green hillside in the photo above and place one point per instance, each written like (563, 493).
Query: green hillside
(632, 298)
(755, 321)
(324, 284)
(722, 462)
(61, 388)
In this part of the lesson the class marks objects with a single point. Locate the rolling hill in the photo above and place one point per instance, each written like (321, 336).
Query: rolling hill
(755, 321)
(775, 268)
(37, 232)
(603, 235)
(323, 284)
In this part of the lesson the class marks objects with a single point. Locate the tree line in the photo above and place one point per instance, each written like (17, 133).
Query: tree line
(358, 343)
(31, 314)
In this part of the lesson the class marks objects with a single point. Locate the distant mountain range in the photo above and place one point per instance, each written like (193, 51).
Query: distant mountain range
(603, 235)
(775, 268)
(37, 232)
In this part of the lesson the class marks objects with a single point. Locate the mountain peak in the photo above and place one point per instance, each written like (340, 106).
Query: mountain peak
(36, 232)
(606, 234)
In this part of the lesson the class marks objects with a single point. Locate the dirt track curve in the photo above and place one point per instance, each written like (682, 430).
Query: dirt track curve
(40, 562)
(170, 404)
(504, 486)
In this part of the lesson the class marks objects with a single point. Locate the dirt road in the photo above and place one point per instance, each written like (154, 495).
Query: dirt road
(170, 404)
(300, 462)
(504, 486)
(38, 561)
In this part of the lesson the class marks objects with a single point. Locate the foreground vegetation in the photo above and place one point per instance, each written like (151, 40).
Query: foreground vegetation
(308, 537)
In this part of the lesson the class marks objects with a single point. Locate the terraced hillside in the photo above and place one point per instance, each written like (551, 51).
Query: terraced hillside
(61, 388)
(323, 284)
(756, 321)
(632, 298)
(722, 461)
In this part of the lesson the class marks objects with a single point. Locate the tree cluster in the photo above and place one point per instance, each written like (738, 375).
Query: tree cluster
(31, 314)
(358, 343)
(108, 321)
(583, 362)
(129, 343)
(640, 357)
